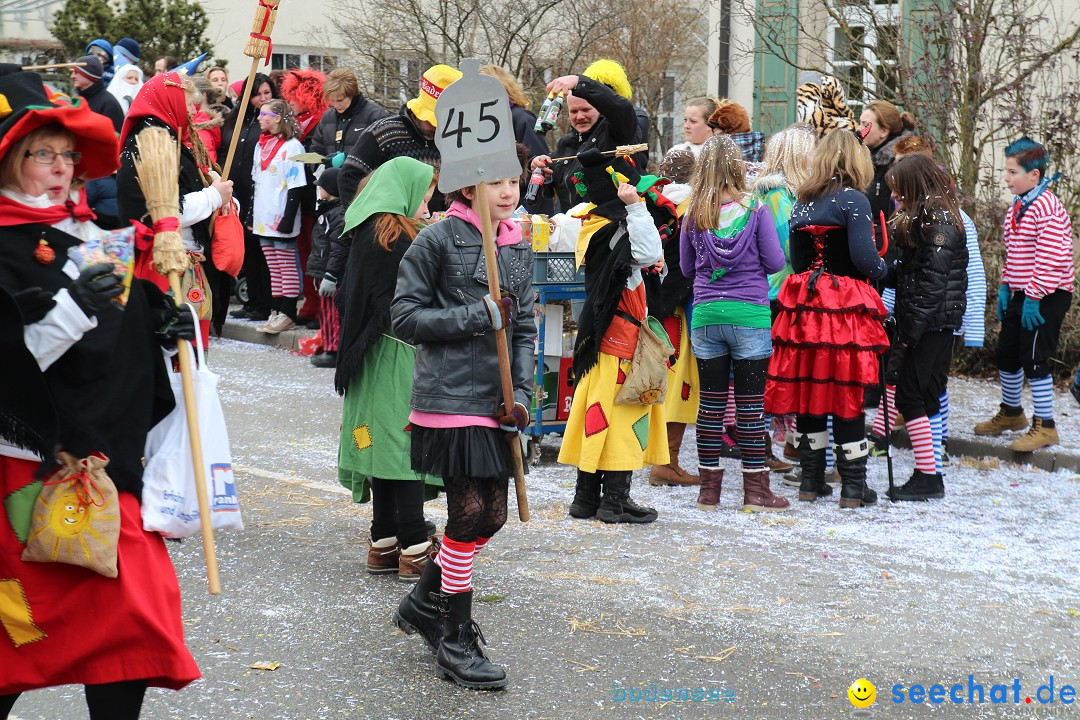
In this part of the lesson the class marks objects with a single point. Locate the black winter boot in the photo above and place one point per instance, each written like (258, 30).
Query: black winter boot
(586, 495)
(460, 657)
(921, 486)
(851, 464)
(812, 462)
(616, 505)
(417, 613)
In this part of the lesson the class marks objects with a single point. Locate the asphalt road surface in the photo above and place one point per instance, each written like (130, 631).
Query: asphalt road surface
(779, 613)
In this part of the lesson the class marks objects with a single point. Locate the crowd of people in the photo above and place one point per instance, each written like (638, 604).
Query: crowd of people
(791, 281)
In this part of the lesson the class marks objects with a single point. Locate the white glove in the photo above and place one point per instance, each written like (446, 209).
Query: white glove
(327, 287)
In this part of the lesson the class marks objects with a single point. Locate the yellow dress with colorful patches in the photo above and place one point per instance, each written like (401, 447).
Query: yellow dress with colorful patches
(603, 435)
(684, 392)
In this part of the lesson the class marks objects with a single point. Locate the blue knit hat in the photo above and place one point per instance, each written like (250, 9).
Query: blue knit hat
(103, 45)
(127, 50)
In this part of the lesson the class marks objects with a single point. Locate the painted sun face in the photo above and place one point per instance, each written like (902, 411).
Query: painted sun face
(68, 517)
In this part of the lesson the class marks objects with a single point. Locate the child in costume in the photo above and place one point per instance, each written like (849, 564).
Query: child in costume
(972, 329)
(828, 333)
(375, 371)
(459, 425)
(729, 246)
(669, 298)
(931, 284)
(279, 187)
(1036, 291)
(327, 243)
(606, 440)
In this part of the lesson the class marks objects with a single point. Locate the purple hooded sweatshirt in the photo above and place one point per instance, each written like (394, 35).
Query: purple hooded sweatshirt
(748, 259)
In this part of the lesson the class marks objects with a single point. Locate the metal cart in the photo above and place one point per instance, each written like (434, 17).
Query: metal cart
(555, 277)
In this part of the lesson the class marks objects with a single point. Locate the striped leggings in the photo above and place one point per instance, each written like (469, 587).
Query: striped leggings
(283, 260)
(749, 410)
(330, 323)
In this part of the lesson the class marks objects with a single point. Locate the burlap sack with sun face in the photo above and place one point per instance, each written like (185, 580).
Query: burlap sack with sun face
(646, 381)
(76, 517)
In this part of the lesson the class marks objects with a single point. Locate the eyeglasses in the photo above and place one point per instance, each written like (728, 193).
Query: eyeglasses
(48, 157)
(267, 113)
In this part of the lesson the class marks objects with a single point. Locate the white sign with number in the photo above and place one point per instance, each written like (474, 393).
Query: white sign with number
(474, 131)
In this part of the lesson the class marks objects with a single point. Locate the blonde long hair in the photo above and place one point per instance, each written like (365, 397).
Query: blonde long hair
(839, 161)
(509, 82)
(788, 153)
(720, 172)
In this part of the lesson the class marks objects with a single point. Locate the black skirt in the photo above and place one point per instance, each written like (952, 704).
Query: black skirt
(476, 452)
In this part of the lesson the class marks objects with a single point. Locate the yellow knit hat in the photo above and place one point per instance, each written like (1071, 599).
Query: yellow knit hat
(610, 73)
(432, 84)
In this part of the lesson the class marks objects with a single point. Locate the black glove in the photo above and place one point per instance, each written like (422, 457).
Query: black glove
(95, 287)
(34, 304)
(179, 326)
(896, 360)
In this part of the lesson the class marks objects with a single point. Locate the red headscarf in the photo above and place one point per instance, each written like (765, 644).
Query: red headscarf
(162, 97)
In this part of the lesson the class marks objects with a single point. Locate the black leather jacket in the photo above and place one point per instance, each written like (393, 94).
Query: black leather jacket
(931, 281)
(438, 307)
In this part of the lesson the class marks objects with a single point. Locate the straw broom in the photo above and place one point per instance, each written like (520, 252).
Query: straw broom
(157, 166)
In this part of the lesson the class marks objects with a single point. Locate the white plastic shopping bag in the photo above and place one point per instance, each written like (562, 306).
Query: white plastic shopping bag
(170, 504)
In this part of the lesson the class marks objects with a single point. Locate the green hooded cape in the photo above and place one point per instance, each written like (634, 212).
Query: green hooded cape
(397, 186)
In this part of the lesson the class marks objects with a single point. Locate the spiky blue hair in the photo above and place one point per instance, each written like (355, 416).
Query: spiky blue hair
(1030, 154)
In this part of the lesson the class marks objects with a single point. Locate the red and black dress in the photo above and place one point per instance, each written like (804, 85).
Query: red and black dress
(828, 334)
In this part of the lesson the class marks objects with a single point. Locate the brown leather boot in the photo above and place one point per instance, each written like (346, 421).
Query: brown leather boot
(773, 463)
(757, 496)
(709, 494)
(673, 473)
(382, 560)
(411, 565)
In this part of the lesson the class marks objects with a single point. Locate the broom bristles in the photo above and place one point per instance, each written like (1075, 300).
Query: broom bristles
(265, 17)
(157, 167)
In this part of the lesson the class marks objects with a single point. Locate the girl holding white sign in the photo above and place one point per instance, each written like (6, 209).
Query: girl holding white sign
(458, 421)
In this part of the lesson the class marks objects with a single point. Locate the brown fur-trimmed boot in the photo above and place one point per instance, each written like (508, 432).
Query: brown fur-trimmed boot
(757, 496)
(711, 481)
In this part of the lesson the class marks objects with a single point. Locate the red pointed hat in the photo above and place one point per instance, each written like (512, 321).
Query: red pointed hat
(25, 106)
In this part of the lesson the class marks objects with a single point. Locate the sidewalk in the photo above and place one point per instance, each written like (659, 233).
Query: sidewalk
(972, 401)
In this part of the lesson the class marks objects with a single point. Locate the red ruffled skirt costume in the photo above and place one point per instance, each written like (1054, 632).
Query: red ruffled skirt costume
(826, 341)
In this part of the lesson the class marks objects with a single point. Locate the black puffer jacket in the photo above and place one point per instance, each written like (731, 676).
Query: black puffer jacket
(337, 132)
(325, 239)
(931, 281)
(438, 306)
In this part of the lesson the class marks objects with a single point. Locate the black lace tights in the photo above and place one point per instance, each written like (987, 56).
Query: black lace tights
(475, 507)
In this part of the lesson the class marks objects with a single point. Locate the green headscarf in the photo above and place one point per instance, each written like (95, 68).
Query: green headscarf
(397, 186)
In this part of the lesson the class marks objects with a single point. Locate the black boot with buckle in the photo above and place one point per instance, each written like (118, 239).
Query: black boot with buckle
(460, 657)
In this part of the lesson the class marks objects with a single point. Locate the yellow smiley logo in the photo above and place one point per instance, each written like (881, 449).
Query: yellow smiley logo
(862, 693)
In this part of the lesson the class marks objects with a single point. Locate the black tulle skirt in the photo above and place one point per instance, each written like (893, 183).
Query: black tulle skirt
(476, 452)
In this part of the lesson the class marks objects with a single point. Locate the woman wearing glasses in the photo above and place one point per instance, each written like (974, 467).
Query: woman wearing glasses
(105, 386)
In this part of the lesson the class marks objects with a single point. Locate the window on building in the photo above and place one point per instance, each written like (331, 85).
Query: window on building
(396, 80)
(300, 60)
(864, 50)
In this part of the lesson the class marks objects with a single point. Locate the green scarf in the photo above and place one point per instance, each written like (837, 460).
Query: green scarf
(397, 186)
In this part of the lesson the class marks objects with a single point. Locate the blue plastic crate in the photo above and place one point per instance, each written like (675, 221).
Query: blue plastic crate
(552, 268)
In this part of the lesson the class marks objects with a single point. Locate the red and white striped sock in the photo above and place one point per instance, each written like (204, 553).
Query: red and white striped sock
(922, 442)
(456, 560)
(481, 543)
(889, 400)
